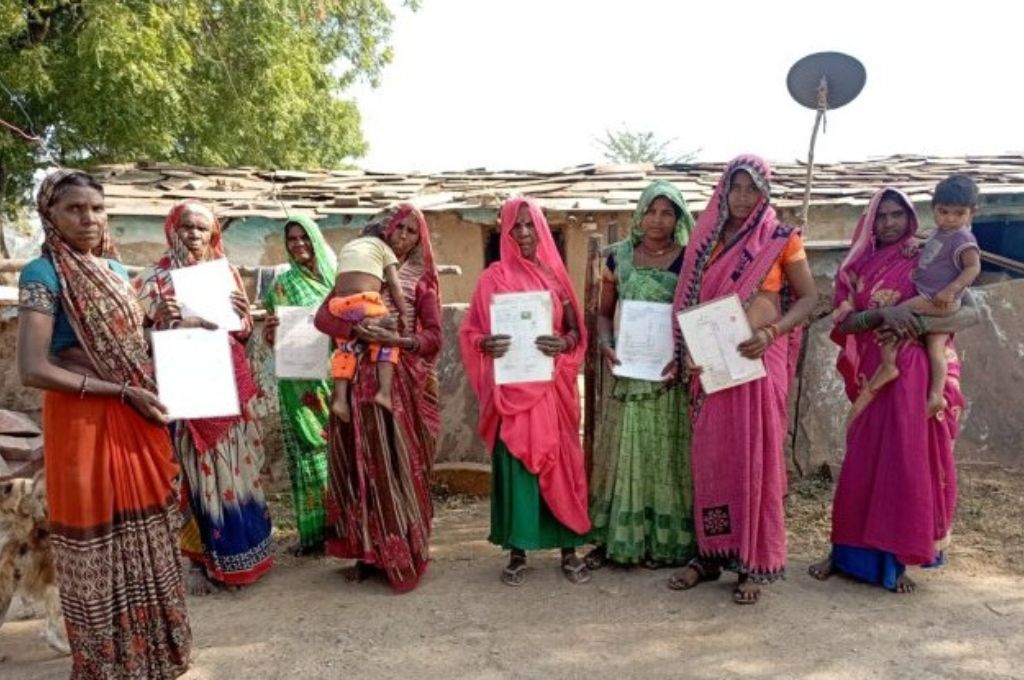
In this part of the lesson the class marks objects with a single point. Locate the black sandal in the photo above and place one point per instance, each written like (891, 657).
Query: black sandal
(704, 573)
(515, 573)
(575, 570)
(596, 558)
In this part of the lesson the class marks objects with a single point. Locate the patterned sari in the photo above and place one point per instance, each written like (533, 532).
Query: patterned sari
(641, 499)
(379, 509)
(739, 474)
(896, 494)
(226, 518)
(109, 475)
(304, 404)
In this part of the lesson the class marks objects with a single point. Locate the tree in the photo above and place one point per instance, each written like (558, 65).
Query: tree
(628, 146)
(217, 82)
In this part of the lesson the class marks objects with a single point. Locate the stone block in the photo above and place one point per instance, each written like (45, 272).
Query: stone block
(459, 441)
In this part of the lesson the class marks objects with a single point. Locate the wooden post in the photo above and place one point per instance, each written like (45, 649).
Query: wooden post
(592, 366)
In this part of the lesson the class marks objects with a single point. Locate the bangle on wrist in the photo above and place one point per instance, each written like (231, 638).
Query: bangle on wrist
(82, 388)
(124, 388)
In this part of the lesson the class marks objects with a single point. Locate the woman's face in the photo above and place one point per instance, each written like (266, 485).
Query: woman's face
(195, 230)
(659, 222)
(743, 196)
(405, 236)
(80, 217)
(299, 246)
(891, 221)
(524, 233)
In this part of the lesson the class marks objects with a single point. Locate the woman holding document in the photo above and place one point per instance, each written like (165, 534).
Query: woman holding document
(641, 503)
(740, 247)
(109, 464)
(226, 533)
(304, 404)
(379, 510)
(539, 487)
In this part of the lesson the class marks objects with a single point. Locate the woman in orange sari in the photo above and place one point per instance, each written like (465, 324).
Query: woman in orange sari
(109, 463)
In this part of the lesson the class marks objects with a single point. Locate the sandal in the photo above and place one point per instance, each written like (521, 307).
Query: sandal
(705, 572)
(515, 573)
(575, 570)
(746, 592)
(596, 558)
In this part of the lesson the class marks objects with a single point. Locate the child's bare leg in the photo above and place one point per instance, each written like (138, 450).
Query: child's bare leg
(884, 374)
(385, 372)
(339, 404)
(938, 370)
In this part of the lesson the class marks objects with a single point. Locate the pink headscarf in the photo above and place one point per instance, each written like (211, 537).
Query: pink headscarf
(538, 422)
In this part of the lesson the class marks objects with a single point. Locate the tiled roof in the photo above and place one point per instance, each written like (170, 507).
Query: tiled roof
(152, 188)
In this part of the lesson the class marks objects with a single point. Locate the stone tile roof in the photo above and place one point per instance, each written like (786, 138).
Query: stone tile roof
(152, 188)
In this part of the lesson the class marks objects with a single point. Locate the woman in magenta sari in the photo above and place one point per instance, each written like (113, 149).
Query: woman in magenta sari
(378, 466)
(896, 493)
(740, 247)
(538, 484)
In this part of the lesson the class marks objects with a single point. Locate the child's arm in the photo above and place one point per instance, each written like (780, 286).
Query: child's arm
(397, 296)
(970, 267)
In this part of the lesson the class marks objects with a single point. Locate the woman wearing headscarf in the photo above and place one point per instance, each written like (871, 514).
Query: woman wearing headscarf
(304, 405)
(226, 533)
(539, 486)
(896, 494)
(109, 463)
(641, 502)
(740, 247)
(379, 510)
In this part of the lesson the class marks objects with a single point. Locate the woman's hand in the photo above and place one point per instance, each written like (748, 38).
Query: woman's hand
(495, 346)
(551, 345)
(692, 369)
(610, 359)
(381, 331)
(270, 325)
(670, 373)
(755, 346)
(898, 323)
(147, 404)
(167, 310)
(240, 304)
(195, 322)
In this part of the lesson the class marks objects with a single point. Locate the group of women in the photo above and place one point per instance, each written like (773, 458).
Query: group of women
(685, 478)
(680, 477)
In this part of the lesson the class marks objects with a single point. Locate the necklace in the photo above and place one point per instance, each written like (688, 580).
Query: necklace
(652, 251)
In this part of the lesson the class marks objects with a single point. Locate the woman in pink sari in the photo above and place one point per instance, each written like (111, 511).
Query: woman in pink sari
(539, 487)
(740, 247)
(896, 493)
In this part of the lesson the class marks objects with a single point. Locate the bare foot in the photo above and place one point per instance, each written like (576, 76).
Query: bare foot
(382, 400)
(885, 374)
(905, 585)
(358, 572)
(197, 583)
(936, 404)
(694, 573)
(823, 569)
(340, 410)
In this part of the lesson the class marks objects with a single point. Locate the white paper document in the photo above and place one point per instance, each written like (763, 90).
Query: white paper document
(523, 316)
(204, 290)
(301, 352)
(194, 374)
(645, 344)
(712, 331)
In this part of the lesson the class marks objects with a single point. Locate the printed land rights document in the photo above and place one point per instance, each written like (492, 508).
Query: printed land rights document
(204, 290)
(645, 343)
(523, 316)
(194, 374)
(300, 350)
(712, 331)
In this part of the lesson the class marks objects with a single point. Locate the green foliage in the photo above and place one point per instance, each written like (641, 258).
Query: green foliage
(219, 82)
(629, 146)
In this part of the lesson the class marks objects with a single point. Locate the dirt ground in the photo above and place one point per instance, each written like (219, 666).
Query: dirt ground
(305, 620)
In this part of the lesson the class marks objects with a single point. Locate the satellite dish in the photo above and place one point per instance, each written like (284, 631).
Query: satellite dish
(823, 81)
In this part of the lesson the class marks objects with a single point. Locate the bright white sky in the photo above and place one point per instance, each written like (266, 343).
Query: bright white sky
(528, 84)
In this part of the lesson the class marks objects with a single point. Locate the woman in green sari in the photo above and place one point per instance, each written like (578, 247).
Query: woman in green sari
(640, 486)
(304, 404)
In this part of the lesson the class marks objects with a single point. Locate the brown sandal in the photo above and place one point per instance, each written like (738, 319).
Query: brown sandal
(704, 573)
